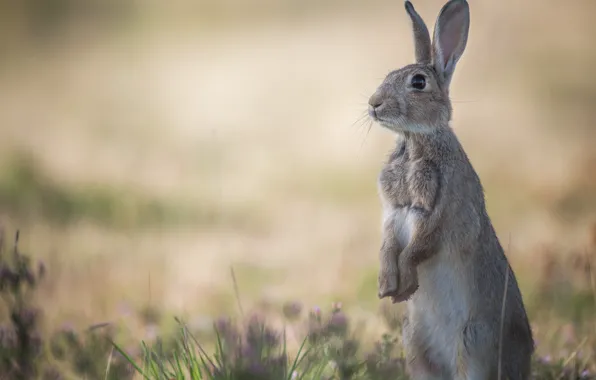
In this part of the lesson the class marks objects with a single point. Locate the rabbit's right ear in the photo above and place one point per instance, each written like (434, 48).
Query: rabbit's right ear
(422, 43)
(451, 36)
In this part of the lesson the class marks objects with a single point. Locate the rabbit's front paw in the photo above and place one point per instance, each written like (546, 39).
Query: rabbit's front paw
(387, 283)
(408, 284)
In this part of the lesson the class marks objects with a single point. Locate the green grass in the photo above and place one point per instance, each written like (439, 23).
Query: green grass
(189, 360)
(330, 350)
(255, 346)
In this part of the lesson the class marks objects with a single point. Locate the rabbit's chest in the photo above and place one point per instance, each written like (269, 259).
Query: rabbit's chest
(393, 181)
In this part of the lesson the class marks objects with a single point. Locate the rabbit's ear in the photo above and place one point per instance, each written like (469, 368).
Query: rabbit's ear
(450, 38)
(422, 43)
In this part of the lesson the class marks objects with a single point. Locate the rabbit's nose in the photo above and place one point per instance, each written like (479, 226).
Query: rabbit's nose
(374, 103)
(376, 100)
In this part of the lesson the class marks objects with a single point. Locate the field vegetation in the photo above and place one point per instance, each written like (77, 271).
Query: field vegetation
(200, 177)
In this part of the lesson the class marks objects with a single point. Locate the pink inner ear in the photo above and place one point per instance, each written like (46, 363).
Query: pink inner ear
(451, 34)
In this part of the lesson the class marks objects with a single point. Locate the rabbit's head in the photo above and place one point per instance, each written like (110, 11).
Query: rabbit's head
(415, 98)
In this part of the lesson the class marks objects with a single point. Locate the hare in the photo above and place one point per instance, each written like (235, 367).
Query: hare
(465, 314)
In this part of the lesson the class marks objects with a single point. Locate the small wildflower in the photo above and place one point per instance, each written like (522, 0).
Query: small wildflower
(259, 334)
(223, 324)
(338, 322)
(585, 374)
(227, 331)
(249, 351)
(271, 338)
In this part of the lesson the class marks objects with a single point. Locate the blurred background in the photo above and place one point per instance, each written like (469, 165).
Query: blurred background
(146, 149)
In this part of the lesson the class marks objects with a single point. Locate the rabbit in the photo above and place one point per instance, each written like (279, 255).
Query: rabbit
(440, 253)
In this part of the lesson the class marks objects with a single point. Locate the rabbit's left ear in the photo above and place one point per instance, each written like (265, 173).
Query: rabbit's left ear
(450, 38)
(422, 43)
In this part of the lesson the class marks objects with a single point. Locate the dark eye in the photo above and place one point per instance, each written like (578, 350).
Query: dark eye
(418, 82)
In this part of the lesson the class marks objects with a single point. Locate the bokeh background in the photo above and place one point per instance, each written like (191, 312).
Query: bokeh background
(147, 147)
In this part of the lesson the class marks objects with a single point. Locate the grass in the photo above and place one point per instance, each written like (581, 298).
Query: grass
(258, 351)
(329, 350)
(27, 191)
(330, 346)
(286, 342)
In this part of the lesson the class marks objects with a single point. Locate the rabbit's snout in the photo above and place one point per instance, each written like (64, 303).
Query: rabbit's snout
(383, 105)
(375, 104)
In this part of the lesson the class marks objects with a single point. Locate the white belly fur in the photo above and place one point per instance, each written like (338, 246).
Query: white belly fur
(439, 307)
(403, 221)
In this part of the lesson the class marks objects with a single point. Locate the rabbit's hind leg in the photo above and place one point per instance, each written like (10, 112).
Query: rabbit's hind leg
(477, 358)
(420, 365)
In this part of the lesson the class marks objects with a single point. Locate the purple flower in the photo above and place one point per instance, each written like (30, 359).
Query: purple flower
(258, 334)
(227, 332)
(315, 313)
(338, 322)
(224, 325)
(248, 351)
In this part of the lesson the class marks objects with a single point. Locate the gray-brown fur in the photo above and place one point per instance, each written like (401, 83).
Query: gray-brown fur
(439, 250)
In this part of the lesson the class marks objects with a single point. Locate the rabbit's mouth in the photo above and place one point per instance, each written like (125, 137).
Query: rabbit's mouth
(400, 124)
(378, 114)
(392, 122)
(372, 112)
(386, 114)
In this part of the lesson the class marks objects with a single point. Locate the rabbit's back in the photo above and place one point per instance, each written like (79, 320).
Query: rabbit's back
(457, 308)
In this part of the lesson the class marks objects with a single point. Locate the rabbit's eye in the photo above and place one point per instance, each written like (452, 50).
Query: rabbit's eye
(418, 82)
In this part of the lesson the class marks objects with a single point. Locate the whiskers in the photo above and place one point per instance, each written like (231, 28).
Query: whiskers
(364, 123)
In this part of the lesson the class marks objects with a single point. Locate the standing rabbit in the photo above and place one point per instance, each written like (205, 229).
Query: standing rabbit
(466, 318)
